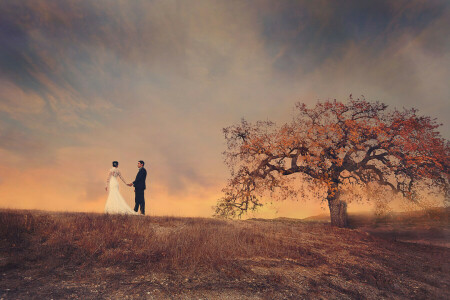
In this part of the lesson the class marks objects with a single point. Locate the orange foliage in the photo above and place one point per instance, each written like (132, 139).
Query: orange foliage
(331, 145)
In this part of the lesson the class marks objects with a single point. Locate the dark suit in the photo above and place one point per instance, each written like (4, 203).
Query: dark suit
(139, 187)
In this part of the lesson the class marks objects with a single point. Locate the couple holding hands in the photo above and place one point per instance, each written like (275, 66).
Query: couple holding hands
(116, 204)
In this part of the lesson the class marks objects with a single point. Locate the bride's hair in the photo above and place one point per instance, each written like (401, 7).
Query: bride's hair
(115, 164)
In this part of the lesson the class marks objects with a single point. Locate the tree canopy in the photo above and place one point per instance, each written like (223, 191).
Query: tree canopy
(334, 144)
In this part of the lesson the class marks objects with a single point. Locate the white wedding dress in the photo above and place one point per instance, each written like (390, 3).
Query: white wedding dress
(115, 204)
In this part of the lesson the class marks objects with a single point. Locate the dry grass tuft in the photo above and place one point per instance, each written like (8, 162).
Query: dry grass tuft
(159, 243)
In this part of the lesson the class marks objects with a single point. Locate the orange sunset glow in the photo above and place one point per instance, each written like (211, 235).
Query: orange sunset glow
(83, 84)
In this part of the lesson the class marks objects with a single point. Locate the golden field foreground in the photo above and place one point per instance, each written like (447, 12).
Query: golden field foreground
(93, 256)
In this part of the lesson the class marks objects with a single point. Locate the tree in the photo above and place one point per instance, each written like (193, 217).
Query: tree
(331, 146)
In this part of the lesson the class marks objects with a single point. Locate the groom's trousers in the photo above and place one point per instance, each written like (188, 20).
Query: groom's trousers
(140, 201)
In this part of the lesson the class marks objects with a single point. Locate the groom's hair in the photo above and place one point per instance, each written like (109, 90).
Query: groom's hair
(115, 163)
(142, 162)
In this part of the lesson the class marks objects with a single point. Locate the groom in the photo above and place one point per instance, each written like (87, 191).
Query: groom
(139, 187)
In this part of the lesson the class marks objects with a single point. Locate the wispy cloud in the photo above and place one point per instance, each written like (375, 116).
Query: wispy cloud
(83, 83)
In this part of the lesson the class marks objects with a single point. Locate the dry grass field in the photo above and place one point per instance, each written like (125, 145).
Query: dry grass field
(92, 256)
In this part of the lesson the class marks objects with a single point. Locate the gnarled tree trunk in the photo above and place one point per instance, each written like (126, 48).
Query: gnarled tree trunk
(338, 213)
(338, 208)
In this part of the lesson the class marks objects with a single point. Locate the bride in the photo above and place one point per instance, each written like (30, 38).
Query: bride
(115, 204)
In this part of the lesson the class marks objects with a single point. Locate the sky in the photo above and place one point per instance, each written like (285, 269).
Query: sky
(84, 83)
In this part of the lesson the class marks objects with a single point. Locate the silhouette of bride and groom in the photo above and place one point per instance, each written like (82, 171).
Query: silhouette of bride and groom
(116, 204)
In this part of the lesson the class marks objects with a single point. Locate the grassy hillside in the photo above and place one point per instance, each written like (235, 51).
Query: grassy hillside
(87, 256)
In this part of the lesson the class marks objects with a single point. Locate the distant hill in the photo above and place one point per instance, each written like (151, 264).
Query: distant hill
(441, 214)
(320, 217)
(436, 213)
